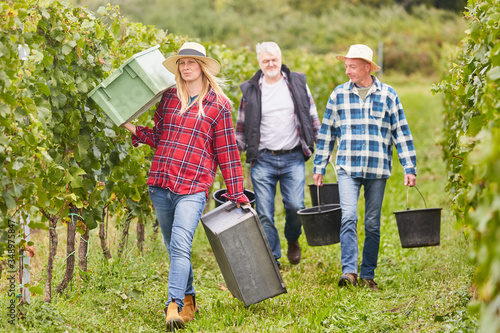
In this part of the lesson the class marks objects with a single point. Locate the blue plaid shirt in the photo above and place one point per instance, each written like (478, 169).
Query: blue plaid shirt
(366, 132)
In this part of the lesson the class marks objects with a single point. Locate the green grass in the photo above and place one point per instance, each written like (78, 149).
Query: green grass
(421, 289)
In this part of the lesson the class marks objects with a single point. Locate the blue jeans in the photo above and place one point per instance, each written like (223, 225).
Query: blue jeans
(178, 217)
(349, 195)
(289, 170)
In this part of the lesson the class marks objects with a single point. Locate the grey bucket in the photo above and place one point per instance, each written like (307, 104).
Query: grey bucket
(243, 253)
(419, 227)
(321, 223)
(219, 199)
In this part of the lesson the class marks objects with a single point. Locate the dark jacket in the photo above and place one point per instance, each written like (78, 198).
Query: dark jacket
(252, 95)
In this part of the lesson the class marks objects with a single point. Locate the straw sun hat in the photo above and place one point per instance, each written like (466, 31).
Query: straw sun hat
(360, 51)
(192, 50)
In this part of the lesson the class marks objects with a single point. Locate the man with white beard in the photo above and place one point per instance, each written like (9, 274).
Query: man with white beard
(277, 127)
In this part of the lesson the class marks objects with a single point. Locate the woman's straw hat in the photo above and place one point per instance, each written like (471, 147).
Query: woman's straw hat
(192, 50)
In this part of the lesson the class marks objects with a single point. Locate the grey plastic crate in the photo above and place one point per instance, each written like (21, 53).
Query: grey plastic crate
(243, 253)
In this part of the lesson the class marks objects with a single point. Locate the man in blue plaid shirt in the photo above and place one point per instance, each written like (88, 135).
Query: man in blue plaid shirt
(365, 117)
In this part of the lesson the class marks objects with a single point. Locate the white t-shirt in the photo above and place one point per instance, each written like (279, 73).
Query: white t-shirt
(277, 126)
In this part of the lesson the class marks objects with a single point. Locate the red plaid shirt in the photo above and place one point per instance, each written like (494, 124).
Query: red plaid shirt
(189, 147)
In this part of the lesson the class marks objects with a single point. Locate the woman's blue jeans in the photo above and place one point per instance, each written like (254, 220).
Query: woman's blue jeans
(178, 217)
(349, 194)
(289, 170)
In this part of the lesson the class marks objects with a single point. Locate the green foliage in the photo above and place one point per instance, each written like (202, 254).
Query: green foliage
(472, 141)
(10, 163)
(453, 5)
(57, 149)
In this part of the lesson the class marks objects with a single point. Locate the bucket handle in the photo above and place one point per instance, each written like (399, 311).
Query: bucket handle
(320, 199)
(319, 202)
(408, 190)
(334, 169)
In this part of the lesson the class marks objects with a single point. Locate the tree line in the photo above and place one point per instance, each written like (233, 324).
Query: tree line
(416, 35)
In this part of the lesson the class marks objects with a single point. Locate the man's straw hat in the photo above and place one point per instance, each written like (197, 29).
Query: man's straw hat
(360, 51)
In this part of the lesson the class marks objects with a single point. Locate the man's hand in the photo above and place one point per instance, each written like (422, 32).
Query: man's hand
(318, 179)
(410, 180)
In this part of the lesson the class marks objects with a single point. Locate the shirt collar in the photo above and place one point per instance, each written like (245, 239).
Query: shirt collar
(376, 84)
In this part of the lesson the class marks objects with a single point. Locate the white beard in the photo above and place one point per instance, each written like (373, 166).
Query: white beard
(272, 74)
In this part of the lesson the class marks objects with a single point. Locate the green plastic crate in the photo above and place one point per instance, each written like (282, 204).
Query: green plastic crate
(134, 87)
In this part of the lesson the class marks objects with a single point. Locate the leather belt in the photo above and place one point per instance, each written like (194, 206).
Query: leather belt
(282, 151)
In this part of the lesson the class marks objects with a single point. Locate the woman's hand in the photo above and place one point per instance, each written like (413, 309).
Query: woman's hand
(130, 127)
(240, 204)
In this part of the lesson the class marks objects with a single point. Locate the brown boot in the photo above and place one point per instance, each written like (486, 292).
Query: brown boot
(189, 309)
(371, 284)
(174, 320)
(294, 252)
(348, 278)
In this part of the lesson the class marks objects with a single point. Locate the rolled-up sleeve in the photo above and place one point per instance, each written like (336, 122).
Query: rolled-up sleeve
(326, 139)
(149, 136)
(313, 113)
(403, 139)
(240, 126)
(228, 158)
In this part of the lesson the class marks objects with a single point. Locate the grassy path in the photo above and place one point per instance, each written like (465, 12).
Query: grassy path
(421, 290)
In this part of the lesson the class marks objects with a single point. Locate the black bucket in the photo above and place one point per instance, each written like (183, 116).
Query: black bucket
(219, 199)
(419, 227)
(321, 224)
(329, 194)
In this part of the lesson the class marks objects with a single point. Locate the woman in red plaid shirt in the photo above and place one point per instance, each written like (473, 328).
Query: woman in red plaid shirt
(193, 133)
